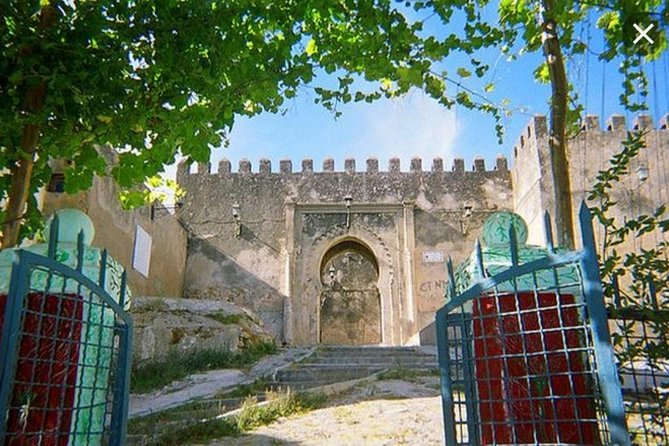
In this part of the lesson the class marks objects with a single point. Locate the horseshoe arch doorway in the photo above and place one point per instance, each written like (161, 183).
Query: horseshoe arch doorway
(350, 302)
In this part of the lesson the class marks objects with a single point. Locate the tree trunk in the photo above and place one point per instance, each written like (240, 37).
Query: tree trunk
(19, 189)
(558, 128)
(22, 170)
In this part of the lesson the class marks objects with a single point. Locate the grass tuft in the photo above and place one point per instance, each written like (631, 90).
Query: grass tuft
(406, 374)
(228, 319)
(199, 432)
(279, 404)
(260, 385)
(177, 365)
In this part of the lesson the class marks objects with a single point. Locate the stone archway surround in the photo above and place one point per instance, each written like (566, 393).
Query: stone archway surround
(392, 247)
(385, 282)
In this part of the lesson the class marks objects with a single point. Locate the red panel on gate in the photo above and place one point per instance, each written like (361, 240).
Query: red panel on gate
(532, 388)
(46, 373)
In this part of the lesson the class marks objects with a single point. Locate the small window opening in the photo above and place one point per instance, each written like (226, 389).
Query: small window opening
(57, 183)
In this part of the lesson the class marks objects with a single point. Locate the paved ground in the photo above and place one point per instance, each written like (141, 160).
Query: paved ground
(380, 413)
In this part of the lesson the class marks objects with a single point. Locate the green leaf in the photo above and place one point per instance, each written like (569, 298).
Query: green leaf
(311, 48)
(542, 73)
(386, 84)
(464, 73)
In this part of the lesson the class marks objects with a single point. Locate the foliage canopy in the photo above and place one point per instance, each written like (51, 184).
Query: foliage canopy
(154, 79)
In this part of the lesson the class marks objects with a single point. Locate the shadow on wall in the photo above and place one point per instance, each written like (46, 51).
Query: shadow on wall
(428, 335)
(212, 274)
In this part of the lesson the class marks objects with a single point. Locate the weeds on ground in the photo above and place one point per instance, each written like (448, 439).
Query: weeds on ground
(406, 374)
(199, 432)
(177, 365)
(197, 410)
(279, 404)
(258, 386)
(224, 318)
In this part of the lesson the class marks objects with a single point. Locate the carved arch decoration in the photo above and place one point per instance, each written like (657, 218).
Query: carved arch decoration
(387, 285)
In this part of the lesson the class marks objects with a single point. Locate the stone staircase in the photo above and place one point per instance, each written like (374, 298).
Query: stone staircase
(333, 364)
(327, 365)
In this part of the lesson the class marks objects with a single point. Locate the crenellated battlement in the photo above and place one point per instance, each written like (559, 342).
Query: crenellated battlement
(534, 134)
(371, 166)
(615, 126)
(588, 153)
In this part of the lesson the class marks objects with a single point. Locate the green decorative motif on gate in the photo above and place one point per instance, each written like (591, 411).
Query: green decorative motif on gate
(496, 229)
(524, 335)
(71, 223)
(495, 256)
(69, 300)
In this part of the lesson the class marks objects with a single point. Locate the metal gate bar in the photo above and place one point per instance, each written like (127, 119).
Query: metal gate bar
(531, 366)
(639, 338)
(65, 353)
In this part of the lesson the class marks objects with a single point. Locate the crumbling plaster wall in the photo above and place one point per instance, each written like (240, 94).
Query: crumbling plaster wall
(290, 219)
(115, 231)
(588, 153)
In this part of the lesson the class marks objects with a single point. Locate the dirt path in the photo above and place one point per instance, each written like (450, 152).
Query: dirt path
(381, 413)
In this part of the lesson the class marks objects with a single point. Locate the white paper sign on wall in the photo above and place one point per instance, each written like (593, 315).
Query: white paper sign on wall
(433, 257)
(141, 255)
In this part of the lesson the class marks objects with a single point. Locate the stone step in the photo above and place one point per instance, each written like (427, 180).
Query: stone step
(300, 385)
(376, 350)
(373, 353)
(387, 361)
(317, 374)
(386, 357)
(332, 364)
(369, 366)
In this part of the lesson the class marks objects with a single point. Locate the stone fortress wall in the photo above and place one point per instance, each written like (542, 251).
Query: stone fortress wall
(410, 221)
(588, 153)
(294, 224)
(115, 229)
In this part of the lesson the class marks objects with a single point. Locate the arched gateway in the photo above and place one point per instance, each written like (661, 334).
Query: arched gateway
(290, 228)
(350, 302)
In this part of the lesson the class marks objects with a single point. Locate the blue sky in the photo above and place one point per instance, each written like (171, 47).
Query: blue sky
(415, 125)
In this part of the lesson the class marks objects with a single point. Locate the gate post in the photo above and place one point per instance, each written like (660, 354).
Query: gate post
(445, 375)
(66, 340)
(10, 334)
(524, 345)
(604, 354)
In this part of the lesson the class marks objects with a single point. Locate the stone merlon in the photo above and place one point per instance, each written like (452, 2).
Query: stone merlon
(265, 166)
(244, 166)
(537, 128)
(372, 165)
(286, 166)
(349, 164)
(416, 164)
(307, 165)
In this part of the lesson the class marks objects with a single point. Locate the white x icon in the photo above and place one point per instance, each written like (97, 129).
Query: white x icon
(643, 33)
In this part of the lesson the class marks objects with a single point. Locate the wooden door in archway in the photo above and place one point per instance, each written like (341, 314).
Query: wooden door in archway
(350, 301)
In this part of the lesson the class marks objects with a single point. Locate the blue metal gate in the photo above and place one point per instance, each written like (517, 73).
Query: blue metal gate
(65, 352)
(642, 346)
(525, 354)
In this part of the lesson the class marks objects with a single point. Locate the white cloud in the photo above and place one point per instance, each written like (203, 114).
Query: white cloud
(414, 125)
